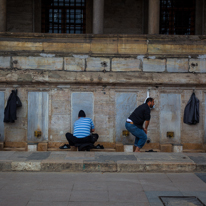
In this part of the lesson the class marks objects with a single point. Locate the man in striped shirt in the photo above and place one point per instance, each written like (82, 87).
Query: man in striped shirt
(83, 126)
(82, 131)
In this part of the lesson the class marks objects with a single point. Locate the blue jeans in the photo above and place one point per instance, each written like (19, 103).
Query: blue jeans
(140, 135)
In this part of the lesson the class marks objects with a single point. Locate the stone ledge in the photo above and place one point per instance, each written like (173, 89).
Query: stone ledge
(102, 162)
(103, 44)
(134, 78)
(93, 166)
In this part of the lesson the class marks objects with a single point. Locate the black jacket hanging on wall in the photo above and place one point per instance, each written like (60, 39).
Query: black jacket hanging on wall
(191, 114)
(12, 104)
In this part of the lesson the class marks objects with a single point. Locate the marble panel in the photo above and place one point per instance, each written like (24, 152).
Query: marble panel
(38, 115)
(4, 62)
(177, 65)
(197, 65)
(74, 64)
(82, 101)
(125, 64)
(125, 104)
(98, 64)
(170, 117)
(48, 63)
(154, 65)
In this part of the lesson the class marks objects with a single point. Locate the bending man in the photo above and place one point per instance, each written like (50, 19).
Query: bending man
(135, 121)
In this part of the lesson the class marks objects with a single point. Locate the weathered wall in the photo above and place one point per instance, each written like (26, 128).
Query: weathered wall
(123, 17)
(19, 16)
(65, 66)
(107, 124)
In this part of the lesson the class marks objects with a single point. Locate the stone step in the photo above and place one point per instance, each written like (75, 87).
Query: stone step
(13, 149)
(93, 150)
(193, 151)
(104, 150)
(144, 150)
(57, 149)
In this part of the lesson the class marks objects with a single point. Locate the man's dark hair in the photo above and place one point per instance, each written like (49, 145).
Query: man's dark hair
(150, 99)
(81, 114)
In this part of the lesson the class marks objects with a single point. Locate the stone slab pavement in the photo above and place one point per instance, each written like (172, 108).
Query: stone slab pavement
(64, 161)
(102, 189)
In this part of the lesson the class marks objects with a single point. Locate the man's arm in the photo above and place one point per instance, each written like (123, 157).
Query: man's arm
(146, 125)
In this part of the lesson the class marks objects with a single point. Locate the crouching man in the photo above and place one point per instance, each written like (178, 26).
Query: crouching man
(83, 128)
(135, 121)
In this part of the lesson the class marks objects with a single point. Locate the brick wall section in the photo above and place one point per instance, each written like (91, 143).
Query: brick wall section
(19, 16)
(123, 17)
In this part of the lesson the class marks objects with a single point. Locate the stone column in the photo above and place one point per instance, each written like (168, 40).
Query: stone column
(199, 17)
(2, 15)
(98, 16)
(154, 17)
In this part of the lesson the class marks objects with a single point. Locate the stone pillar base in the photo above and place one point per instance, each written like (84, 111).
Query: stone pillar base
(42, 146)
(1, 146)
(32, 148)
(128, 148)
(119, 147)
(73, 148)
(204, 147)
(166, 148)
(177, 148)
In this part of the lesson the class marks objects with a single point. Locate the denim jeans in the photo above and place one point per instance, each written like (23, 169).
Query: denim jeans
(140, 135)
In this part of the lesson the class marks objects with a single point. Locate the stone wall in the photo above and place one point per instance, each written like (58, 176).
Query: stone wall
(114, 72)
(123, 17)
(106, 120)
(19, 16)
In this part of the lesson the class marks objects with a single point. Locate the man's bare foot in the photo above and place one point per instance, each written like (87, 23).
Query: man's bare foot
(137, 149)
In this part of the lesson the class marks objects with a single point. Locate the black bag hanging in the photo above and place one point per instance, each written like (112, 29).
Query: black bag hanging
(191, 113)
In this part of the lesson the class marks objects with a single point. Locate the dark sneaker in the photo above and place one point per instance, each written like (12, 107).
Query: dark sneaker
(65, 146)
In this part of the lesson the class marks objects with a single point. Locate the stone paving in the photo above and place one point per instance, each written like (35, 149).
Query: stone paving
(64, 161)
(102, 189)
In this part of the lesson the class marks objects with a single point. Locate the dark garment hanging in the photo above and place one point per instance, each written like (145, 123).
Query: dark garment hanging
(12, 104)
(191, 113)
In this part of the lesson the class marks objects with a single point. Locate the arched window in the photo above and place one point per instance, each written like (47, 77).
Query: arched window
(177, 17)
(64, 16)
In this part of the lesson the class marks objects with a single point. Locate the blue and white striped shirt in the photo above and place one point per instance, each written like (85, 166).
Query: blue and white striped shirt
(82, 127)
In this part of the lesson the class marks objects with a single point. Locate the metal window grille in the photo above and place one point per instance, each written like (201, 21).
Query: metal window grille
(64, 16)
(177, 17)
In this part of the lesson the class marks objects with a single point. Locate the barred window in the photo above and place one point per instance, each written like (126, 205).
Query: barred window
(177, 17)
(64, 16)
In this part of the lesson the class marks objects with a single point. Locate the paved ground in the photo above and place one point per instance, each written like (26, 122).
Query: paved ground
(97, 189)
(64, 161)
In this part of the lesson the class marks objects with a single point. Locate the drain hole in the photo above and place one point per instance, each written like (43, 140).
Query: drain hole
(180, 200)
